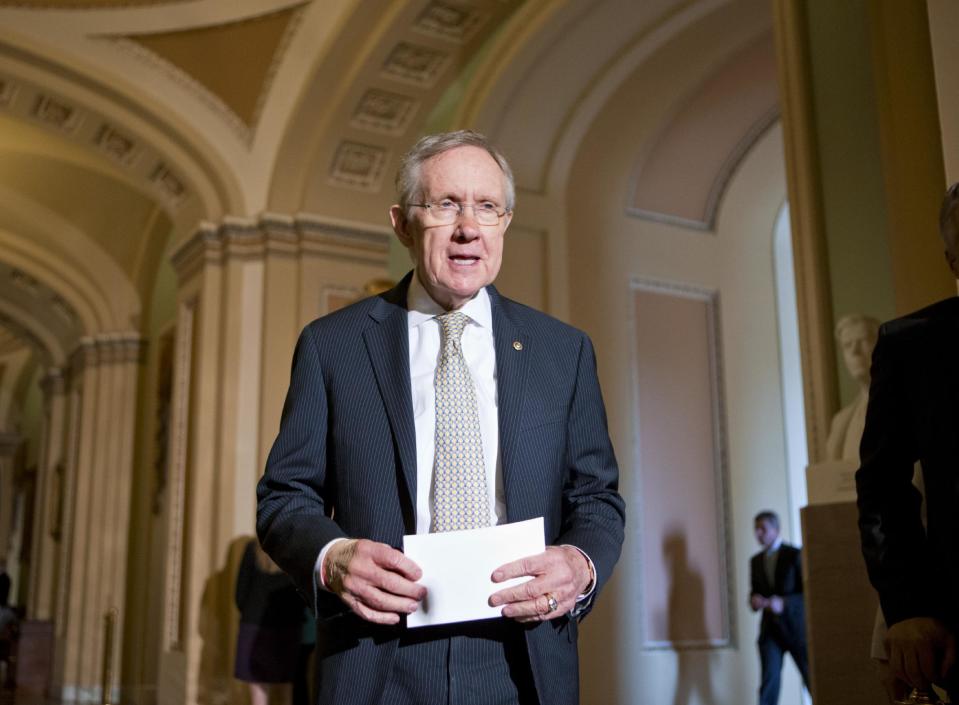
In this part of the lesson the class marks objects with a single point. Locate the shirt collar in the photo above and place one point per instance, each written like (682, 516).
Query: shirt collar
(421, 307)
(775, 547)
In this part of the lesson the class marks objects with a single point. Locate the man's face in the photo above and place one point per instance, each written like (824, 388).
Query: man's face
(766, 533)
(857, 342)
(456, 260)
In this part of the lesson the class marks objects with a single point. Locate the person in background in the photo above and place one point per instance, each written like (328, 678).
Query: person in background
(271, 618)
(913, 416)
(776, 579)
(4, 583)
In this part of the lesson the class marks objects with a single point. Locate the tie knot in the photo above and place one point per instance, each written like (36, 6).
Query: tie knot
(452, 325)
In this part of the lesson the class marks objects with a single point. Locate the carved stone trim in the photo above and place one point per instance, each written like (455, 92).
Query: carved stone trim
(119, 146)
(273, 233)
(168, 185)
(384, 112)
(448, 21)
(358, 166)
(414, 64)
(53, 382)
(105, 349)
(57, 113)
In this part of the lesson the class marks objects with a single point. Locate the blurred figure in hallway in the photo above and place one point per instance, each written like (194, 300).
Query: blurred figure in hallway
(271, 618)
(776, 579)
(912, 416)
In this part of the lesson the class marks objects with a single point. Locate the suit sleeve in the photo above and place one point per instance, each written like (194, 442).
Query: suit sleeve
(293, 518)
(793, 597)
(891, 532)
(593, 511)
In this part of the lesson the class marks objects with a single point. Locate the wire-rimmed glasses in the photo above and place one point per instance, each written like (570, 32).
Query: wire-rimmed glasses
(446, 211)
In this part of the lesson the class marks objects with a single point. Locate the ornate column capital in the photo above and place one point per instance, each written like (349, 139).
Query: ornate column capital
(106, 348)
(53, 382)
(279, 234)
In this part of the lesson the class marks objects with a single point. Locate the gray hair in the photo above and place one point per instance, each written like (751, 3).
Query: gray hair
(872, 325)
(408, 176)
(949, 204)
(767, 515)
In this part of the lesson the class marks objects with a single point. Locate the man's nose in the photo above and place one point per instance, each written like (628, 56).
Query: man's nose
(467, 226)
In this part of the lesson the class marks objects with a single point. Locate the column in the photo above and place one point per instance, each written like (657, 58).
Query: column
(48, 500)
(93, 548)
(9, 444)
(246, 287)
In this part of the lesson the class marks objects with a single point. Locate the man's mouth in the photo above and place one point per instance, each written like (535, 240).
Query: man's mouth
(464, 260)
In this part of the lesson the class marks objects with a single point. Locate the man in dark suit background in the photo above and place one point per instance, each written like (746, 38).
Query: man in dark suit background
(776, 579)
(913, 416)
(358, 461)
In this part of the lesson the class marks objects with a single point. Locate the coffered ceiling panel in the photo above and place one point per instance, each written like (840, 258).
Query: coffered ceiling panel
(233, 61)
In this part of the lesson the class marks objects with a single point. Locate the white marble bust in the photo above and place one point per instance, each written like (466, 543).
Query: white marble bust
(856, 336)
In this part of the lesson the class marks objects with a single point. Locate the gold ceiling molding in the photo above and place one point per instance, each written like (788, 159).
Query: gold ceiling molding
(10, 342)
(138, 160)
(85, 4)
(230, 66)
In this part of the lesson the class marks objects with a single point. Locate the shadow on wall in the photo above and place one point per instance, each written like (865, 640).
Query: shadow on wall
(686, 623)
(218, 624)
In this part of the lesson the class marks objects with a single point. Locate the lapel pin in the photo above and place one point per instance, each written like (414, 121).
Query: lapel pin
(517, 345)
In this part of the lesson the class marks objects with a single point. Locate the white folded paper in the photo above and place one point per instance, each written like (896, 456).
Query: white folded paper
(458, 567)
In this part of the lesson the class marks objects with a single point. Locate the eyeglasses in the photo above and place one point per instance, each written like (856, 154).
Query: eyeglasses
(446, 211)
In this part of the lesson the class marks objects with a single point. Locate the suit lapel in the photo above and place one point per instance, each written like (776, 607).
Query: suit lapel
(512, 356)
(387, 344)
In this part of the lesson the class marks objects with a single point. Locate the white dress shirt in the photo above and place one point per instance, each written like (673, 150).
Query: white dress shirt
(480, 355)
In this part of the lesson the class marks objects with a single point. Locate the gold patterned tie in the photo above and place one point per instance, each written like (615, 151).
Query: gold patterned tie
(459, 473)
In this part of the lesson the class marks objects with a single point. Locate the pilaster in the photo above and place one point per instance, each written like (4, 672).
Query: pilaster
(47, 500)
(246, 288)
(96, 499)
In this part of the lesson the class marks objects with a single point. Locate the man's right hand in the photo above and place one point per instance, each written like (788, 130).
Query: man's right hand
(758, 602)
(922, 651)
(377, 582)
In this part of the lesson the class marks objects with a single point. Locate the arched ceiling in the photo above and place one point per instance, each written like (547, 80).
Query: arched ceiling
(136, 119)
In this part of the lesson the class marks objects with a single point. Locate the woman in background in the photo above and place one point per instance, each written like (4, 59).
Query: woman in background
(271, 615)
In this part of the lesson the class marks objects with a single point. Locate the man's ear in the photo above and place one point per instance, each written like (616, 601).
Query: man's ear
(400, 225)
(953, 262)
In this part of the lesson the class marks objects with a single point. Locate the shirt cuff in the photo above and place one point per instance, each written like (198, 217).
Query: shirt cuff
(584, 600)
(318, 566)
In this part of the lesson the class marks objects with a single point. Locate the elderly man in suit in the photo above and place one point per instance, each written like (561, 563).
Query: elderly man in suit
(913, 416)
(776, 578)
(380, 393)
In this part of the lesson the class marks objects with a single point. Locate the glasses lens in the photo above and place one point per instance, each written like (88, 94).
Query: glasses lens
(486, 217)
(445, 212)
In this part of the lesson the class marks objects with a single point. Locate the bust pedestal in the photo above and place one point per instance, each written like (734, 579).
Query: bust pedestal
(840, 607)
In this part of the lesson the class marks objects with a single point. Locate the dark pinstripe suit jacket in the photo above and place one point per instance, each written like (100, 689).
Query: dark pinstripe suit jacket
(344, 464)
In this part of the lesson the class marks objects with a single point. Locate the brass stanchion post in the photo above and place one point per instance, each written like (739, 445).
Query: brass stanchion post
(109, 627)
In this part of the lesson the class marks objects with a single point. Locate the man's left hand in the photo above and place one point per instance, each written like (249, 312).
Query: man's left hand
(561, 572)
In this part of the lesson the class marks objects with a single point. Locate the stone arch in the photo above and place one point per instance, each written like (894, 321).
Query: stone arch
(45, 246)
(160, 154)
